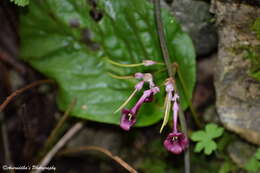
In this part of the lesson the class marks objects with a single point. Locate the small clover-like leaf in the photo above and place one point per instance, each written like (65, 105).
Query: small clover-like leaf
(198, 136)
(213, 131)
(205, 138)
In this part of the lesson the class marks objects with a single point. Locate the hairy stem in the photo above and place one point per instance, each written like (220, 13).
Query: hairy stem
(167, 61)
(185, 131)
(157, 8)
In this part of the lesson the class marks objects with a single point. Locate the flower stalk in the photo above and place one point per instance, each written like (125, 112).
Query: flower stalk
(157, 10)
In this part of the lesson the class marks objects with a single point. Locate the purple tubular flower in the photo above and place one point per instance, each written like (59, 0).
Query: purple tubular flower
(169, 87)
(149, 99)
(139, 85)
(128, 118)
(176, 142)
(154, 90)
(175, 112)
(142, 99)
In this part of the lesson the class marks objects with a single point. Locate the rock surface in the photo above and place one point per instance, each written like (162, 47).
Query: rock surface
(196, 20)
(240, 152)
(237, 95)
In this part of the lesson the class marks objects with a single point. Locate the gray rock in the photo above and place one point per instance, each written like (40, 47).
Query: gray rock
(237, 95)
(196, 20)
(240, 152)
(211, 115)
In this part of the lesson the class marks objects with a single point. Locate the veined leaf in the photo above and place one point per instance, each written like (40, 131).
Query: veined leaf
(67, 40)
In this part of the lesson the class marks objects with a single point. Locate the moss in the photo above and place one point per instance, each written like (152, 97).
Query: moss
(253, 54)
(256, 28)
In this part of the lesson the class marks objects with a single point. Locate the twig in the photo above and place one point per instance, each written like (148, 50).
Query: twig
(157, 10)
(45, 161)
(13, 62)
(7, 152)
(56, 131)
(103, 150)
(19, 91)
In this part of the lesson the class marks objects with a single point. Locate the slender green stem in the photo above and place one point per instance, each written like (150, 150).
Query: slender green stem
(122, 65)
(119, 77)
(187, 160)
(185, 131)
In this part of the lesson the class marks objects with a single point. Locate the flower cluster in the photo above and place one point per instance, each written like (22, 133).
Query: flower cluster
(176, 142)
(128, 118)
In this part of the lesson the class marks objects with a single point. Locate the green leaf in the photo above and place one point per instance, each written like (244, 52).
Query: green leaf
(213, 131)
(256, 27)
(198, 136)
(209, 147)
(252, 165)
(226, 167)
(257, 154)
(20, 2)
(62, 40)
(205, 138)
(199, 146)
(253, 54)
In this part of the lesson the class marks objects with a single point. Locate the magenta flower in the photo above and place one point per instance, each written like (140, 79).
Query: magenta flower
(176, 142)
(139, 75)
(154, 90)
(128, 118)
(139, 85)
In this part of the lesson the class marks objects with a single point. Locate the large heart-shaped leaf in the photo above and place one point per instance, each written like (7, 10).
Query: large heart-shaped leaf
(67, 40)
